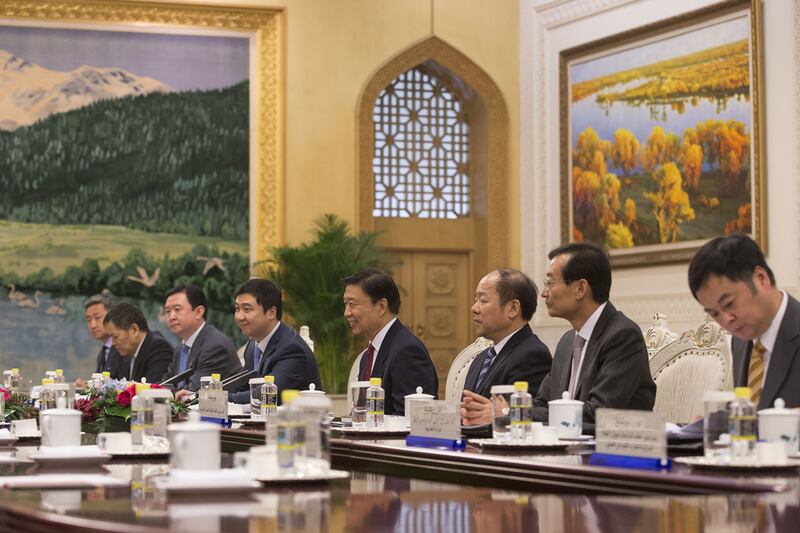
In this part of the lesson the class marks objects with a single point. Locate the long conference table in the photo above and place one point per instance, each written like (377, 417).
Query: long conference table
(393, 487)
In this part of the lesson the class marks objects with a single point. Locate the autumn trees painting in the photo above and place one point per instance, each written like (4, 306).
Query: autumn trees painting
(661, 152)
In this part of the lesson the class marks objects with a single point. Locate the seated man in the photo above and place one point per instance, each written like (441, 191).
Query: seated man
(96, 308)
(732, 281)
(143, 353)
(603, 360)
(505, 301)
(394, 354)
(204, 349)
(274, 348)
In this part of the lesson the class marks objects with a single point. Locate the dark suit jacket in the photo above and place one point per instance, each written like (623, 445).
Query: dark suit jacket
(783, 372)
(288, 358)
(212, 352)
(615, 371)
(110, 363)
(403, 364)
(151, 362)
(523, 358)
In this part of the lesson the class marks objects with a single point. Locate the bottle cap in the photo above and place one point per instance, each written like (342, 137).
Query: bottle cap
(375, 382)
(106, 374)
(59, 372)
(269, 379)
(742, 392)
(214, 377)
(46, 381)
(521, 386)
(15, 370)
(288, 395)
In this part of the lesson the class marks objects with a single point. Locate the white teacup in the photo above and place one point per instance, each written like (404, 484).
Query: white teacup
(541, 434)
(566, 415)
(395, 423)
(24, 428)
(779, 424)
(770, 452)
(259, 460)
(194, 444)
(115, 442)
(61, 427)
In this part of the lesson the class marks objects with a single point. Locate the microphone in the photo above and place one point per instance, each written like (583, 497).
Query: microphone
(237, 379)
(177, 378)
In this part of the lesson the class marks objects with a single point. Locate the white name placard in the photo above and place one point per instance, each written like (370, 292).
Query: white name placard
(439, 419)
(633, 433)
(214, 404)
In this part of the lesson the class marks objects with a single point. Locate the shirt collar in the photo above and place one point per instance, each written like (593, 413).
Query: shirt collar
(107, 342)
(769, 337)
(262, 344)
(499, 346)
(587, 329)
(378, 339)
(139, 347)
(193, 337)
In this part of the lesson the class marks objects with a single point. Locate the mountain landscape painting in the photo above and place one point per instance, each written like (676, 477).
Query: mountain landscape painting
(124, 169)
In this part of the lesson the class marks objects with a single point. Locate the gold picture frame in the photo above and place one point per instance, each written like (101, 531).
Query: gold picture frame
(264, 26)
(662, 137)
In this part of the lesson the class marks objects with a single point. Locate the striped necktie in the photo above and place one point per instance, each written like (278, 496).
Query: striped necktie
(755, 371)
(487, 363)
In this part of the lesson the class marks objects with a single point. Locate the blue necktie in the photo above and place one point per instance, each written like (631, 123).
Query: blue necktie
(184, 357)
(256, 357)
(487, 363)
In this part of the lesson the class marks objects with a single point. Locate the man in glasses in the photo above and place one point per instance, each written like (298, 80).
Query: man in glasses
(602, 361)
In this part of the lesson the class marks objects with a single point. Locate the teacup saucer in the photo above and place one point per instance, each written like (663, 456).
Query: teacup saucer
(330, 475)
(206, 481)
(7, 440)
(69, 455)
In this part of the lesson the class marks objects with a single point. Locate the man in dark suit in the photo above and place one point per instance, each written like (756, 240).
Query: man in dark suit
(143, 353)
(204, 349)
(505, 301)
(603, 360)
(730, 278)
(274, 349)
(394, 354)
(96, 308)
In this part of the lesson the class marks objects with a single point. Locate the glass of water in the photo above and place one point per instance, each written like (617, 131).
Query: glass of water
(358, 408)
(715, 423)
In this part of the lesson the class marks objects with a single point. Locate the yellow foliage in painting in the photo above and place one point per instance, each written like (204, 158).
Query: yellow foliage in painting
(586, 147)
(691, 158)
(734, 149)
(598, 165)
(743, 224)
(670, 203)
(577, 235)
(657, 150)
(630, 211)
(625, 153)
(619, 236)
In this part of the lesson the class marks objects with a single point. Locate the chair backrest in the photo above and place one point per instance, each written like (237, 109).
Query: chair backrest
(457, 374)
(353, 377)
(683, 369)
(658, 334)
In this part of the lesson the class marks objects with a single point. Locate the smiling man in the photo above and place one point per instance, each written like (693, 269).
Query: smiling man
(505, 301)
(602, 361)
(274, 349)
(143, 353)
(730, 278)
(394, 354)
(204, 348)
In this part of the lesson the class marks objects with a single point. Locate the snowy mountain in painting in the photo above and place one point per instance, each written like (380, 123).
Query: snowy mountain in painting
(29, 92)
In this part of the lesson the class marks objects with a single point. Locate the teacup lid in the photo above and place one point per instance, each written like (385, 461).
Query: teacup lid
(565, 400)
(194, 424)
(419, 395)
(312, 391)
(779, 409)
(502, 389)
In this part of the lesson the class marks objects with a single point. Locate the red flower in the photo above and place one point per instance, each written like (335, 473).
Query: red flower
(124, 397)
(155, 386)
(87, 408)
(6, 395)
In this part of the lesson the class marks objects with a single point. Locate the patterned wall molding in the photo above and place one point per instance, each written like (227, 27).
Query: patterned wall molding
(556, 13)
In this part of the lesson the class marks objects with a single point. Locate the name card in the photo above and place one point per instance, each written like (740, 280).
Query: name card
(214, 404)
(631, 433)
(438, 419)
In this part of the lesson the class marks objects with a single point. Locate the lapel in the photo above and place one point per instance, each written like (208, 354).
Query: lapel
(137, 363)
(741, 358)
(272, 346)
(566, 366)
(500, 359)
(592, 345)
(783, 353)
(382, 356)
(249, 350)
(474, 370)
(99, 364)
(197, 347)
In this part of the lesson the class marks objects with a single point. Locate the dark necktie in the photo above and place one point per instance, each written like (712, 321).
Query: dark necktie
(256, 357)
(103, 359)
(368, 364)
(184, 357)
(577, 348)
(487, 363)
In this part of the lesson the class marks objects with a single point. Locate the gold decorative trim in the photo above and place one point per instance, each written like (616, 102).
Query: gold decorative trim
(266, 27)
(490, 197)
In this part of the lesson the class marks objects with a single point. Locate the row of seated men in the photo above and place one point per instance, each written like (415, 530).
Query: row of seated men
(602, 360)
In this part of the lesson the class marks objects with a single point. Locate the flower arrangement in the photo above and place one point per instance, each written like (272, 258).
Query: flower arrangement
(108, 408)
(18, 406)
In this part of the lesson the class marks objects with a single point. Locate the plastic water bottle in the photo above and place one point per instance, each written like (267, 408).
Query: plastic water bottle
(141, 415)
(106, 376)
(269, 408)
(215, 383)
(521, 404)
(97, 381)
(16, 380)
(305, 334)
(742, 424)
(59, 376)
(2, 407)
(287, 432)
(47, 396)
(375, 397)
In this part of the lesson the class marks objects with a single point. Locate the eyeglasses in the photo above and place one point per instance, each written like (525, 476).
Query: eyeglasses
(547, 283)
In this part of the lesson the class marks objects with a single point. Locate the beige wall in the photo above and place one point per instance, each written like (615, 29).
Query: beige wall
(332, 49)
